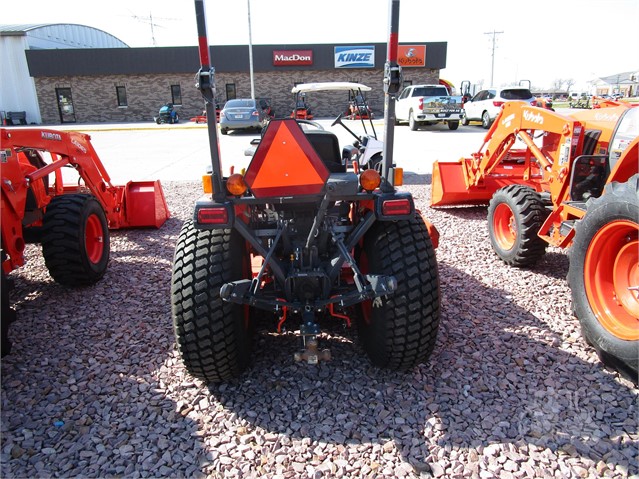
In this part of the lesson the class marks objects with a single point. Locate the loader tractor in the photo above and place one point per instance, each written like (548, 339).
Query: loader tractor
(569, 181)
(56, 192)
(304, 243)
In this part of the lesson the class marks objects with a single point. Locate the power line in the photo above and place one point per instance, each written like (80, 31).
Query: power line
(492, 69)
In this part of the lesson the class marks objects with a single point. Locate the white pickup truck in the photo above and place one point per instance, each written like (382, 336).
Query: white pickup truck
(427, 105)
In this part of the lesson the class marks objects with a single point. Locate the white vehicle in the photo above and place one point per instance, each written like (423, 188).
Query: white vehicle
(486, 105)
(428, 105)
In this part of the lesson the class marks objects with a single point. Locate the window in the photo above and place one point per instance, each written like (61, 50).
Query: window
(230, 91)
(176, 94)
(120, 91)
(407, 83)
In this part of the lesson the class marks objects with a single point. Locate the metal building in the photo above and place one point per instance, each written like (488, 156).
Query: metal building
(17, 88)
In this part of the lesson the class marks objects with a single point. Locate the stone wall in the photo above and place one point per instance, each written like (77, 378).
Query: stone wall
(95, 99)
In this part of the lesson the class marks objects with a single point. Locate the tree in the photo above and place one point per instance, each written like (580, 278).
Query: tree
(557, 84)
(569, 83)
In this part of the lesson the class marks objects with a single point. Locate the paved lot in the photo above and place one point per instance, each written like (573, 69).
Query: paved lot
(146, 151)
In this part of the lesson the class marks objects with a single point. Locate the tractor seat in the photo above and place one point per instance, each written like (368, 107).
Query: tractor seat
(327, 147)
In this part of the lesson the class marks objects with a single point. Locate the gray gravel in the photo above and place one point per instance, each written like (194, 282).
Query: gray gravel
(94, 386)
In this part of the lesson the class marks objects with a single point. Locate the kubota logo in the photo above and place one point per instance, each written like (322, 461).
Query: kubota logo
(47, 135)
(411, 55)
(606, 117)
(533, 117)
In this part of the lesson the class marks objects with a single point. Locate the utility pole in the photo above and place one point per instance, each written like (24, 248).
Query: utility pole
(492, 69)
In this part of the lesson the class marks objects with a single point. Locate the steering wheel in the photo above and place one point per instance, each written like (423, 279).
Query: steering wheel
(310, 122)
(338, 119)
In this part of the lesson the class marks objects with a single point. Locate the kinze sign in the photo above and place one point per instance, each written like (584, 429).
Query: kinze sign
(355, 57)
(292, 57)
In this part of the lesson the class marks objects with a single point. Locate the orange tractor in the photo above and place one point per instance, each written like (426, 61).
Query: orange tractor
(303, 240)
(568, 181)
(70, 220)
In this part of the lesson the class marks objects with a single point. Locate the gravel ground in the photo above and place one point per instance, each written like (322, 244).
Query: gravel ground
(94, 386)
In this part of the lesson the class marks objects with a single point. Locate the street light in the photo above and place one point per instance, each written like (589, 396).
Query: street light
(250, 51)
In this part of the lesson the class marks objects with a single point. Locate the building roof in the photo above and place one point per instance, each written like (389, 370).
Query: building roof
(623, 78)
(61, 35)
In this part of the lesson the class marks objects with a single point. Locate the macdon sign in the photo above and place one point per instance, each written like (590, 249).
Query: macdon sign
(292, 57)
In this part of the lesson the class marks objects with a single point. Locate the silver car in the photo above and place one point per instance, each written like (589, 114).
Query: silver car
(486, 105)
(243, 114)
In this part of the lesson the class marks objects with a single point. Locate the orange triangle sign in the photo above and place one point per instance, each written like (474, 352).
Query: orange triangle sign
(285, 163)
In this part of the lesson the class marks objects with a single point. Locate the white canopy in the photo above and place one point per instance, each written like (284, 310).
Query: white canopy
(329, 86)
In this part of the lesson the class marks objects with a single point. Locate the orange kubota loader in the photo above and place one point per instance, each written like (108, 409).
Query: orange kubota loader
(568, 181)
(71, 221)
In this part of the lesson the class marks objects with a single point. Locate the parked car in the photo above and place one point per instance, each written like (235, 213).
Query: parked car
(244, 114)
(486, 104)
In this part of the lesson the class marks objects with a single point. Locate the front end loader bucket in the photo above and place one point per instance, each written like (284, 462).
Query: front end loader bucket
(449, 186)
(144, 205)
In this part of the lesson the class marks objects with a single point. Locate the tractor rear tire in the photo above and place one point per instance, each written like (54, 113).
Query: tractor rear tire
(515, 216)
(604, 275)
(399, 331)
(214, 337)
(75, 240)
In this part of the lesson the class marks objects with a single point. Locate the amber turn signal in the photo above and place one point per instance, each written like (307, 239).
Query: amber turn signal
(369, 180)
(236, 185)
(207, 184)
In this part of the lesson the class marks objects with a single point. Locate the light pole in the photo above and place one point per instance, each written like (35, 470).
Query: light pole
(250, 51)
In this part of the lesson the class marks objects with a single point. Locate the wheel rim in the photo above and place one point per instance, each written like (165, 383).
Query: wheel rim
(611, 278)
(94, 239)
(504, 226)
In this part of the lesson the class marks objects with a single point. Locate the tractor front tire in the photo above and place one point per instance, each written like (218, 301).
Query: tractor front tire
(399, 331)
(515, 216)
(604, 276)
(214, 337)
(75, 240)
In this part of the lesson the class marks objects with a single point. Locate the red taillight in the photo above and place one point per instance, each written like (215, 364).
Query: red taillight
(498, 103)
(396, 207)
(213, 216)
(254, 113)
(421, 104)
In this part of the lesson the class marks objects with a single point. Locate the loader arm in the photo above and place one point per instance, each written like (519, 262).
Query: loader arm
(136, 204)
(526, 144)
(519, 120)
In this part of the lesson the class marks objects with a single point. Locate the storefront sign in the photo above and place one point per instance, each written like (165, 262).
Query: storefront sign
(411, 55)
(355, 57)
(292, 57)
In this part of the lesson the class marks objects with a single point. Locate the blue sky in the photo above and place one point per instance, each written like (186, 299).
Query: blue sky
(542, 41)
